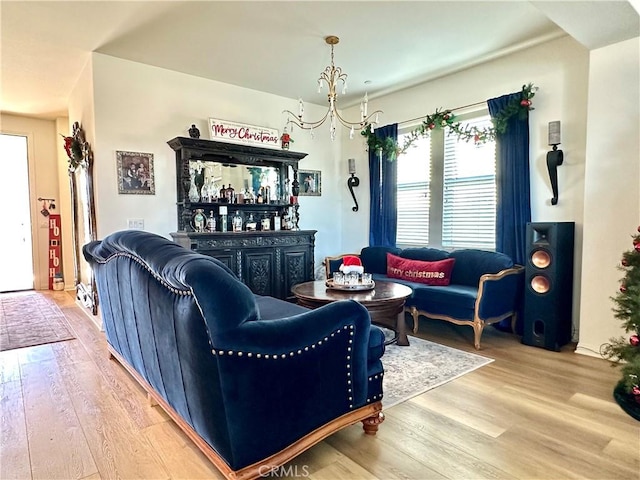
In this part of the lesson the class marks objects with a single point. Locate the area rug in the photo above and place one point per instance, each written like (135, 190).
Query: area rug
(28, 319)
(423, 365)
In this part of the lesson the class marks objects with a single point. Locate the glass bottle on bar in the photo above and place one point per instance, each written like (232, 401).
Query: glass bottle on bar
(223, 218)
(237, 222)
(211, 222)
(230, 193)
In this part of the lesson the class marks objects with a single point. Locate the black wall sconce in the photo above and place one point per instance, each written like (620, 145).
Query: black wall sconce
(554, 158)
(353, 181)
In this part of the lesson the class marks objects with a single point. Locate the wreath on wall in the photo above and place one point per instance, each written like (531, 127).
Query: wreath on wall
(519, 106)
(75, 146)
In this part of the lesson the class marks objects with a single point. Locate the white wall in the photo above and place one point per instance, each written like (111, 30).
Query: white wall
(140, 107)
(560, 69)
(612, 185)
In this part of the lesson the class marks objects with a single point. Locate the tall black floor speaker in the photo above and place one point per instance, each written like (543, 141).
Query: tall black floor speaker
(548, 294)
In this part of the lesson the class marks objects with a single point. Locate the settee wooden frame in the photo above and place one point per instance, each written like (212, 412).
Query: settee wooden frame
(477, 323)
(370, 415)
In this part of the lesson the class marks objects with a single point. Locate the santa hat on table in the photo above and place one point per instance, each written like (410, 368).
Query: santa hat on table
(350, 264)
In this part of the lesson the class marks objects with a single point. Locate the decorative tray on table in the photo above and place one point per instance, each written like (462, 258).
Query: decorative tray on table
(352, 287)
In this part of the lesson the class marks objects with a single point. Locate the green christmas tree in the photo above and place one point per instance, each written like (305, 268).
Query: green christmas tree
(623, 351)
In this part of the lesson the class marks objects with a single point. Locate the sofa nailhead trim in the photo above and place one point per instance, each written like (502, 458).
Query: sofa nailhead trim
(283, 355)
(147, 268)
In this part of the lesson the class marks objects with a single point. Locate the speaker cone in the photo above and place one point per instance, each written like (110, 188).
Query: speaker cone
(541, 259)
(540, 284)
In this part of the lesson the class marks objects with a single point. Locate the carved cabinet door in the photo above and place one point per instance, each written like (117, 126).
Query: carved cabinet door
(259, 271)
(296, 268)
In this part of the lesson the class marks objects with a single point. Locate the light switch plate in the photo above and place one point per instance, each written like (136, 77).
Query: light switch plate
(135, 223)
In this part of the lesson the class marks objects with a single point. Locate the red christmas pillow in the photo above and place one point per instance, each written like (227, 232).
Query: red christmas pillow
(429, 273)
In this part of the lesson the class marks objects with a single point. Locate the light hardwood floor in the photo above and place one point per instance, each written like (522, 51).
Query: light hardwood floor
(70, 412)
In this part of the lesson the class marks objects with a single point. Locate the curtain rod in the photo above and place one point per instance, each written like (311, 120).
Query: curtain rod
(452, 109)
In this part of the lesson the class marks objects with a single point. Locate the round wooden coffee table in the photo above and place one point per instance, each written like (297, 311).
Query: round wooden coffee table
(385, 302)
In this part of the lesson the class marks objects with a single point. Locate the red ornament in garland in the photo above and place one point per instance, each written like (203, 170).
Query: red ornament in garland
(624, 262)
(623, 289)
(636, 393)
(637, 247)
(634, 340)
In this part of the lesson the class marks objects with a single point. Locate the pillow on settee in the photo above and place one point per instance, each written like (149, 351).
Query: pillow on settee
(430, 273)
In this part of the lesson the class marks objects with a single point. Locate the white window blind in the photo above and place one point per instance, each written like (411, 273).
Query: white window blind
(414, 176)
(469, 183)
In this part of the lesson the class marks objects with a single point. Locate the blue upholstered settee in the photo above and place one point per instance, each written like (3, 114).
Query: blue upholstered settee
(253, 381)
(485, 287)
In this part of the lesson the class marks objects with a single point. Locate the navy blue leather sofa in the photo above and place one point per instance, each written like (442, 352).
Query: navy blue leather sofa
(485, 288)
(253, 381)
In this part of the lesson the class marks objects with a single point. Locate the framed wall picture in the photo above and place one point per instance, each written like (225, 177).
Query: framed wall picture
(310, 182)
(135, 173)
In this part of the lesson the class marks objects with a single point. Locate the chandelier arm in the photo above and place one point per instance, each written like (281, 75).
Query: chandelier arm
(361, 124)
(305, 125)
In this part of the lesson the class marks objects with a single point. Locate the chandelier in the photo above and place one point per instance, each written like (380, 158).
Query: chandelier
(331, 76)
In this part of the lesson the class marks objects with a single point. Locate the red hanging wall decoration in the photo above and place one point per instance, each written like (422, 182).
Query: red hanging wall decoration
(55, 248)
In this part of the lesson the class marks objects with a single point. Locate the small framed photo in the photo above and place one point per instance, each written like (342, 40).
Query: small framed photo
(135, 173)
(310, 182)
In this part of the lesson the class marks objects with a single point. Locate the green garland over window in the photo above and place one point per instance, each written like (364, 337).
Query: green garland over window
(446, 119)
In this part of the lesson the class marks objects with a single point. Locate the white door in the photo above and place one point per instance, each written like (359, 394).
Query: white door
(16, 253)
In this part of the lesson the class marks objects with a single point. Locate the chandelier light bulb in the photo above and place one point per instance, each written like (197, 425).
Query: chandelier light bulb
(331, 75)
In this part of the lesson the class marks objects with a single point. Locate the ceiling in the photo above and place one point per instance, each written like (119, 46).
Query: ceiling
(278, 47)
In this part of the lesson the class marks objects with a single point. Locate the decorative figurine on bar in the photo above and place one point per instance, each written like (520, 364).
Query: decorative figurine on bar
(194, 132)
(199, 220)
(285, 139)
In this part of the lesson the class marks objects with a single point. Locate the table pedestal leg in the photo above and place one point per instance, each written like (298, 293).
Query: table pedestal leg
(401, 329)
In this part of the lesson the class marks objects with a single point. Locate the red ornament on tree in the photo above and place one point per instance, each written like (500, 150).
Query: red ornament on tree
(623, 289)
(634, 340)
(525, 102)
(624, 262)
(637, 247)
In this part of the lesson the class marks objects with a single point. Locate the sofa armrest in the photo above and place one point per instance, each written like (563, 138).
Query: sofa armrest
(499, 293)
(282, 378)
(314, 338)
